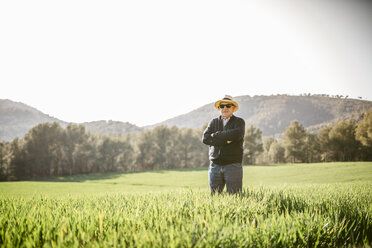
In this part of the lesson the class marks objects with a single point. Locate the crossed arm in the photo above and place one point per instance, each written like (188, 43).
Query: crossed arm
(221, 138)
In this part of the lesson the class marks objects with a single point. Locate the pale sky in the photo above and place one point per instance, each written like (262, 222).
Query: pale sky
(147, 61)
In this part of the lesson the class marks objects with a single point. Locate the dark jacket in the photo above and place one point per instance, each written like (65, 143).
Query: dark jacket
(216, 136)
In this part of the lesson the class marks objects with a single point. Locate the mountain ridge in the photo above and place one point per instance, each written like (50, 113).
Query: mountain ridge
(17, 118)
(272, 114)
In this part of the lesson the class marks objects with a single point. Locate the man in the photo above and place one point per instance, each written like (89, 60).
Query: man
(225, 136)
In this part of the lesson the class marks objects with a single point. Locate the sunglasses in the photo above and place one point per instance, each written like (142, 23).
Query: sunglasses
(225, 105)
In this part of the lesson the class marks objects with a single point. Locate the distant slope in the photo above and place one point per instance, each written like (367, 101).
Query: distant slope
(16, 119)
(272, 114)
(111, 127)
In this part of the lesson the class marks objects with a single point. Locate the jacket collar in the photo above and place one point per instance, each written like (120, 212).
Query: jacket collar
(231, 117)
(227, 124)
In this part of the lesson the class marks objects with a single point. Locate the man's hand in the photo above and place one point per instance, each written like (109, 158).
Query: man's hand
(229, 141)
(215, 134)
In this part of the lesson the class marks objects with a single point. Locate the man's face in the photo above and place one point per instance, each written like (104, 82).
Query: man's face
(226, 109)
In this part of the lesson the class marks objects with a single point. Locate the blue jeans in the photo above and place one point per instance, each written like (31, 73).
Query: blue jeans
(230, 175)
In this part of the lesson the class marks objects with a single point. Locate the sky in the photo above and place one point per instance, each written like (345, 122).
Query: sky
(146, 61)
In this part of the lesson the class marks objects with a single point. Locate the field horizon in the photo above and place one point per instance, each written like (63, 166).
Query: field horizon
(192, 178)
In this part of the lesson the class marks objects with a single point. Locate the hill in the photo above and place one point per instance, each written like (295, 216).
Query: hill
(111, 127)
(16, 119)
(272, 114)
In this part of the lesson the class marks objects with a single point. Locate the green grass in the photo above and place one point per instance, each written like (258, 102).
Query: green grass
(301, 205)
(170, 180)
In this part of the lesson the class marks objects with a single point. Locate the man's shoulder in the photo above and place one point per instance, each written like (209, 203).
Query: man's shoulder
(233, 118)
(238, 121)
(215, 119)
(236, 118)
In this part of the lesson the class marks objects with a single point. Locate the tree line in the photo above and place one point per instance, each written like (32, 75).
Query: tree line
(346, 140)
(48, 150)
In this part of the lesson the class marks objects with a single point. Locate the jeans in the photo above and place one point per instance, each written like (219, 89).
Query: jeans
(230, 175)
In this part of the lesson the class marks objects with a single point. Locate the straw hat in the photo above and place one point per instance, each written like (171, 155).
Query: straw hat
(227, 99)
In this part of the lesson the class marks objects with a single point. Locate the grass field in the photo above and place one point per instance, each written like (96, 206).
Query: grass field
(300, 205)
(170, 180)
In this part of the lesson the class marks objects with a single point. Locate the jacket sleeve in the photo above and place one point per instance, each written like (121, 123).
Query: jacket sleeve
(233, 134)
(209, 136)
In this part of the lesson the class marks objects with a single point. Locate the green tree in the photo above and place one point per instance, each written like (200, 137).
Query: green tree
(266, 144)
(162, 146)
(204, 155)
(172, 139)
(326, 152)
(186, 147)
(85, 156)
(294, 142)
(363, 134)
(145, 159)
(343, 142)
(5, 158)
(191, 149)
(18, 166)
(277, 153)
(252, 144)
(74, 136)
(111, 152)
(312, 148)
(126, 158)
(42, 144)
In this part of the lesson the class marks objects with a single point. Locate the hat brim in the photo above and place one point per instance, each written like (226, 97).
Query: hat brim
(217, 104)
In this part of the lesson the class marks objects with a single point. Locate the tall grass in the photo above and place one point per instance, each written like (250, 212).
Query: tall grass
(336, 215)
